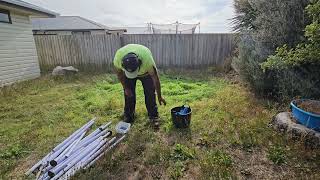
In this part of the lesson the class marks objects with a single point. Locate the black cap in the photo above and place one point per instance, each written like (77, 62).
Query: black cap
(130, 62)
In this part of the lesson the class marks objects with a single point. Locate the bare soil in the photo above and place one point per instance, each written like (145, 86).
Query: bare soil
(310, 106)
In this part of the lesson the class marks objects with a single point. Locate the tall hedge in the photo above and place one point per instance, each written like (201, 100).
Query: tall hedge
(270, 24)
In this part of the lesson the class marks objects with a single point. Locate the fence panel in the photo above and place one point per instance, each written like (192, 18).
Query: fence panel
(96, 52)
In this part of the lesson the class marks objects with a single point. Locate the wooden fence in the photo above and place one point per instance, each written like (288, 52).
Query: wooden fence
(96, 52)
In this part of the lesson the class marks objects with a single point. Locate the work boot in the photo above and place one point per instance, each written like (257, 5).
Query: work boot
(155, 122)
(128, 119)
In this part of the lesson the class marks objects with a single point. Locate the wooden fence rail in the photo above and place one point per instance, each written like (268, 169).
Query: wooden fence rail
(96, 52)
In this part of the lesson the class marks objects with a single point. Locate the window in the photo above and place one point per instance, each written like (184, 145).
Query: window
(5, 16)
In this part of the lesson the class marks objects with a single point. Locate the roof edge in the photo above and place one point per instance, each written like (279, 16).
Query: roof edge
(45, 11)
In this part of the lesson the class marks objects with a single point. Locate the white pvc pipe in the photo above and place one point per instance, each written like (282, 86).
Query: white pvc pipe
(89, 140)
(61, 166)
(103, 127)
(89, 124)
(75, 145)
(44, 176)
(74, 161)
(64, 152)
(100, 146)
(66, 175)
(114, 144)
(39, 163)
(94, 133)
(97, 131)
(57, 153)
(60, 160)
(77, 163)
(100, 150)
(87, 158)
(44, 159)
(71, 170)
(67, 151)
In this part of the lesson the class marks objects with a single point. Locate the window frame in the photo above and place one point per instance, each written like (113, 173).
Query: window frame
(3, 11)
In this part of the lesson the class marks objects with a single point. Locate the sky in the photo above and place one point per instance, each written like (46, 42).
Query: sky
(214, 15)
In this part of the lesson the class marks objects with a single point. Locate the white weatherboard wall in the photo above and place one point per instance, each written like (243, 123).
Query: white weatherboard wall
(18, 55)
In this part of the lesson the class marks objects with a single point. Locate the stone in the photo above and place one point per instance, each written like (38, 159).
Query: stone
(284, 122)
(60, 71)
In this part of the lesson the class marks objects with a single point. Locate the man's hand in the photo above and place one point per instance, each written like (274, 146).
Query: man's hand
(128, 92)
(162, 101)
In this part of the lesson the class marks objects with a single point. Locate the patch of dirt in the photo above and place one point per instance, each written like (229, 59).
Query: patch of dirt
(233, 77)
(255, 165)
(193, 172)
(145, 172)
(310, 106)
(22, 166)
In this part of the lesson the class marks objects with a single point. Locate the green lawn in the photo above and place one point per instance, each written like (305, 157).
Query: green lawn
(229, 135)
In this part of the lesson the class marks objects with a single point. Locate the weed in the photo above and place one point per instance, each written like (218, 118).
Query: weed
(158, 154)
(177, 170)
(182, 153)
(14, 151)
(277, 155)
(216, 163)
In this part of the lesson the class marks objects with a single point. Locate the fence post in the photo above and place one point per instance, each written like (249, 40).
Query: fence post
(121, 40)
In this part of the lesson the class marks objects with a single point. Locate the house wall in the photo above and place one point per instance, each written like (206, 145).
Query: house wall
(18, 55)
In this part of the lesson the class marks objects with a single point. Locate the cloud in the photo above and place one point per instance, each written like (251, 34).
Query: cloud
(213, 15)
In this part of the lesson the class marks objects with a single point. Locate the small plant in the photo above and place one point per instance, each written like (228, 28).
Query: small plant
(177, 170)
(13, 152)
(277, 155)
(248, 140)
(158, 154)
(220, 158)
(182, 153)
(216, 164)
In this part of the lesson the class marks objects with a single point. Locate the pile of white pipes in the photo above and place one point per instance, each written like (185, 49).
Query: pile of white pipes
(76, 152)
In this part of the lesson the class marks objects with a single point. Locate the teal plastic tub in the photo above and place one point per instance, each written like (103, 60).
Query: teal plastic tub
(308, 119)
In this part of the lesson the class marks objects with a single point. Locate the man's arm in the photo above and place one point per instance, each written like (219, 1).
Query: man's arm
(121, 77)
(156, 81)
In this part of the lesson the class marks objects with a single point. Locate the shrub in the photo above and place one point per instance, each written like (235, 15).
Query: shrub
(248, 64)
(245, 16)
(298, 69)
(265, 25)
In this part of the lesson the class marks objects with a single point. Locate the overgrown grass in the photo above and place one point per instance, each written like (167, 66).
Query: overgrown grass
(229, 135)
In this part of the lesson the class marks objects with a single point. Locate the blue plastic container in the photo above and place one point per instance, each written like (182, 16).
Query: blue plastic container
(308, 119)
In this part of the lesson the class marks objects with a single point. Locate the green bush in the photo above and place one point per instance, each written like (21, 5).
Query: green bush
(248, 62)
(298, 69)
(265, 25)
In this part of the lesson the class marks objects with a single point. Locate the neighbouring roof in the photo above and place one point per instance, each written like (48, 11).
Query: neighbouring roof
(28, 6)
(68, 23)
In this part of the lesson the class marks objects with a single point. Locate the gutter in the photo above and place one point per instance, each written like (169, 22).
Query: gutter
(48, 13)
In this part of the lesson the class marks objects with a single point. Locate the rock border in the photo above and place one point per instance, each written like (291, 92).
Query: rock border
(285, 122)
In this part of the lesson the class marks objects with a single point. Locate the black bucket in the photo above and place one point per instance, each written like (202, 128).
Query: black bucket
(179, 120)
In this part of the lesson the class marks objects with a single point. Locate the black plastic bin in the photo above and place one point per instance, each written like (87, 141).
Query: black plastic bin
(181, 121)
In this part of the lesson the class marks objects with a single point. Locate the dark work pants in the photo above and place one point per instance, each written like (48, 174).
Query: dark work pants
(149, 96)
